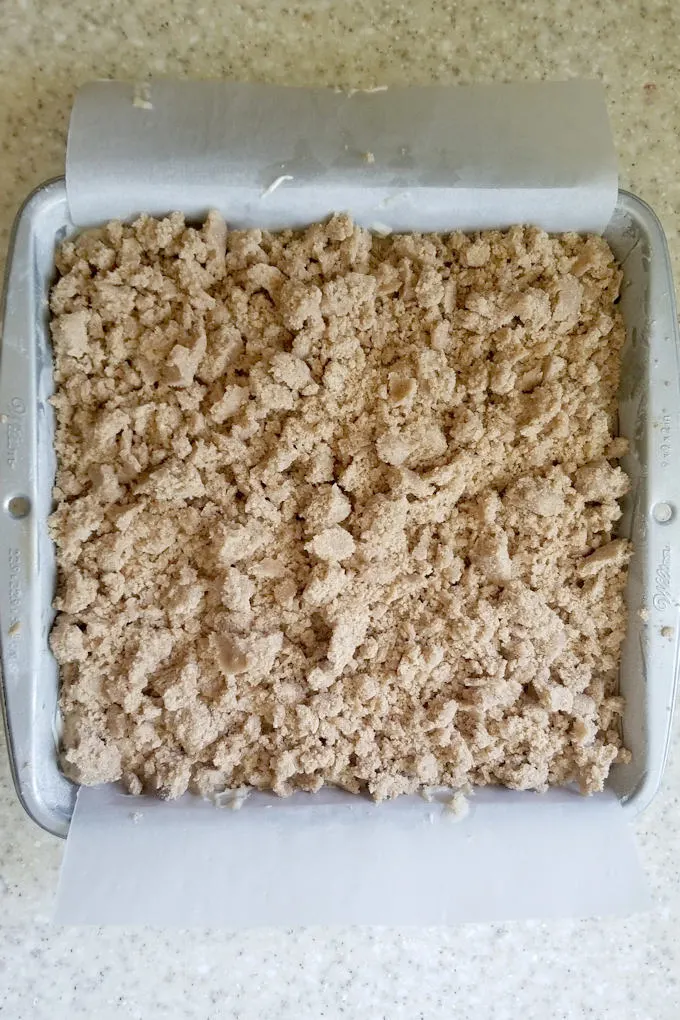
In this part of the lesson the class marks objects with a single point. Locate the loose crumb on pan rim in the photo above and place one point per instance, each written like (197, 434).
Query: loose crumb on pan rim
(337, 508)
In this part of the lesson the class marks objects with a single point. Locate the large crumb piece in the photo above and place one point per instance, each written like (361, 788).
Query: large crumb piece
(337, 508)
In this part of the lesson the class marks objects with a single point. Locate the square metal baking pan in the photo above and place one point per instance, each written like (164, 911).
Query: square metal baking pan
(649, 411)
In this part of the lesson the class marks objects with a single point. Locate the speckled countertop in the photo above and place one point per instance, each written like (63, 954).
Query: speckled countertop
(623, 969)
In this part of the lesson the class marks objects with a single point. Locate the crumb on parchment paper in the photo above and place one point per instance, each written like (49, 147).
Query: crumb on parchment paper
(276, 183)
(337, 508)
(141, 96)
(458, 806)
(234, 799)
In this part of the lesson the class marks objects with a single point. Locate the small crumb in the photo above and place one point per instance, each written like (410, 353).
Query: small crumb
(141, 97)
(643, 614)
(14, 628)
(349, 92)
(4, 419)
(234, 799)
(368, 157)
(136, 817)
(458, 806)
(277, 184)
(667, 632)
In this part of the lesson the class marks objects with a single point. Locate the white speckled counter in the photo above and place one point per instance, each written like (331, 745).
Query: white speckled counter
(623, 969)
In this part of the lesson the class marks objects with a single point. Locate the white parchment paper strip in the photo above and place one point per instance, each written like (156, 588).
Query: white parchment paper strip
(333, 859)
(432, 158)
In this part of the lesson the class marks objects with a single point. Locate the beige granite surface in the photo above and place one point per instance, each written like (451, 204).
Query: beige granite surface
(628, 969)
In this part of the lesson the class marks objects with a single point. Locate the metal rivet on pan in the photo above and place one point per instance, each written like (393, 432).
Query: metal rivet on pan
(662, 513)
(18, 507)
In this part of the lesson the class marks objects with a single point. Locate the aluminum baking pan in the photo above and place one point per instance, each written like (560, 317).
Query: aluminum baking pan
(649, 410)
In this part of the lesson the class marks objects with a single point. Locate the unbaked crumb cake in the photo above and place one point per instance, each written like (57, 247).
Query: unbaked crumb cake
(337, 508)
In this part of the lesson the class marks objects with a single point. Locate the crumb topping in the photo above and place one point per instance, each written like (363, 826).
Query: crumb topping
(337, 508)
